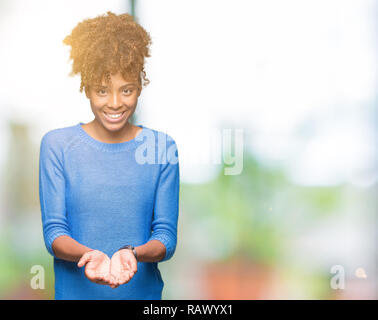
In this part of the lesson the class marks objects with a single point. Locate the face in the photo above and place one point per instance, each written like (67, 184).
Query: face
(113, 104)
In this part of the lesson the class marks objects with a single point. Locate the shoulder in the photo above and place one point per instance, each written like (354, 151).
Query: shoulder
(59, 138)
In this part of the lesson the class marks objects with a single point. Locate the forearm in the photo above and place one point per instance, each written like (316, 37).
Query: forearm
(152, 251)
(66, 248)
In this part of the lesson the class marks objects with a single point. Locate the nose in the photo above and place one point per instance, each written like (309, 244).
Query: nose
(115, 100)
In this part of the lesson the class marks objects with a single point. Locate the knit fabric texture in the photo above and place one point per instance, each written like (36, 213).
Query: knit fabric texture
(106, 195)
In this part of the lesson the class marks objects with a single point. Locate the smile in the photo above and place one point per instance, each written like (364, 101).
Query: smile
(114, 117)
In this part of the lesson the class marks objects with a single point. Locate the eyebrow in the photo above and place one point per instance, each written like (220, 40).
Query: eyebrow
(126, 85)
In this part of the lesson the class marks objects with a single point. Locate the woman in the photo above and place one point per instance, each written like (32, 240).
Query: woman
(109, 190)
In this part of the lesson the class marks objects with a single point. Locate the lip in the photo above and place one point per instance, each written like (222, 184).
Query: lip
(114, 120)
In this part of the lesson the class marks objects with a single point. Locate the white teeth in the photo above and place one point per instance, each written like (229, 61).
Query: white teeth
(114, 116)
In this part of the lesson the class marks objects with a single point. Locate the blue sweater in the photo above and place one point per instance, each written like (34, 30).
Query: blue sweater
(106, 195)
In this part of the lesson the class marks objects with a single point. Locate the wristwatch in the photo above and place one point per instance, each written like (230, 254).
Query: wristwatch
(129, 246)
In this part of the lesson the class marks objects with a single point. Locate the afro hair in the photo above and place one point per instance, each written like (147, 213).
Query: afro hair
(108, 44)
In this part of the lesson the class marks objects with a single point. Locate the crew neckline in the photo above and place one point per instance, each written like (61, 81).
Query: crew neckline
(110, 147)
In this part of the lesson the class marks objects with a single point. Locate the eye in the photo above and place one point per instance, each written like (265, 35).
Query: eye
(101, 91)
(128, 91)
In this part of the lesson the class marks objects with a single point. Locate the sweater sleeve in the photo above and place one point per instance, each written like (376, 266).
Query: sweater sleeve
(52, 190)
(166, 206)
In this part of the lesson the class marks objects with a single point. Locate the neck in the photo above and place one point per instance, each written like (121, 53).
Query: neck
(104, 135)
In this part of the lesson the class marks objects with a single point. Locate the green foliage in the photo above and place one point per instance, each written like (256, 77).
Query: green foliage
(252, 213)
(239, 206)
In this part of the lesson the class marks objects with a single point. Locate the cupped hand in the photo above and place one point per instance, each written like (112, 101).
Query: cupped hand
(97, 267)
(123, 266)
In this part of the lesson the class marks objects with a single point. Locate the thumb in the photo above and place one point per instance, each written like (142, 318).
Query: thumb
(83, 260)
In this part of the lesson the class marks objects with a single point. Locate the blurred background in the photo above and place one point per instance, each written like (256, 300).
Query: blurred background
(297, 79)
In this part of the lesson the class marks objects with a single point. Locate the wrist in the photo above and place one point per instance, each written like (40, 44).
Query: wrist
(131, 248)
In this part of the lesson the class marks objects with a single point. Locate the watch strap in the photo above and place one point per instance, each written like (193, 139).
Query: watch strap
(129, 246)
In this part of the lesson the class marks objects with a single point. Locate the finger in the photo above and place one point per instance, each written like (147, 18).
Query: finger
(127, 278)
(114, 281)
(118, 281)
(90, 274)
(106, 278)
(126, 267)
(110, 280)
(95, 280)
(100, 279)
(93, 276)
(113, 285)
(124, 277)
(134, 266)
(84, 259)
(131, 268)
(131, 274)
(113, 276)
